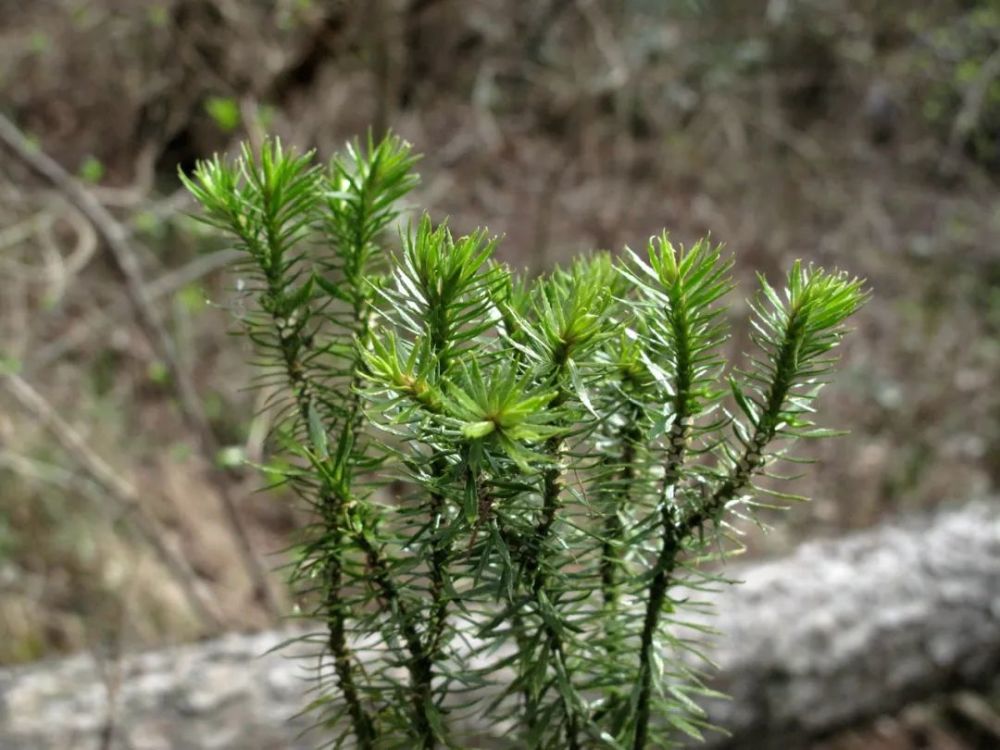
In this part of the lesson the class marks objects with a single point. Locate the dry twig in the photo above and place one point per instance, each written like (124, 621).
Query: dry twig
(116, 237)
(120, 491)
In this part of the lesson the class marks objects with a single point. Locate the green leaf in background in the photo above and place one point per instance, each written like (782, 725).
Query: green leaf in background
(157, 372)
(180, 451)
(40, 42)
(192, 298)
(9, 365)
(225, 112)
(91, 169)
(158, 15)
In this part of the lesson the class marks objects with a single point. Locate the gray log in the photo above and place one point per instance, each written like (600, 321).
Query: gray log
(854, 628)
(837, 632)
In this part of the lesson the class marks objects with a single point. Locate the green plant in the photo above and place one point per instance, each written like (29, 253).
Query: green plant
(513, 480)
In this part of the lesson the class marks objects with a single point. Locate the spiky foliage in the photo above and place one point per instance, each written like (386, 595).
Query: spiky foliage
(514, 481)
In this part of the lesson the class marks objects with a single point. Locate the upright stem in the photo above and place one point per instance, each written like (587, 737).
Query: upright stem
(767, 425)
(666, 561)
(553, 643)
(514, 544)
(677, 528)
(534, 566)
(331, 506)
(611, 561)
(440, 548)
(551, 488)
(669, 540)
(440, 552)
(420, 665)
(333, 503)
(552, 484)
(364, 729)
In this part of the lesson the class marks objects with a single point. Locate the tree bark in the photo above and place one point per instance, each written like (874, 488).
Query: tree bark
(836, 633)
(850, 629)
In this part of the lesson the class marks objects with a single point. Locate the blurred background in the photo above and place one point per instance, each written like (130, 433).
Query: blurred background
(855, 133)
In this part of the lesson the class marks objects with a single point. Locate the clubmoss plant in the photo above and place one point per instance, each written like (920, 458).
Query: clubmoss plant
(515, 482)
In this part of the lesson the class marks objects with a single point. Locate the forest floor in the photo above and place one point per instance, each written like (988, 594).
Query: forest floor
(552, 167)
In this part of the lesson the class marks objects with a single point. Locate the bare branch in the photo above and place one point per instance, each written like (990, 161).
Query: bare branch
(116, 237)
(120, 492)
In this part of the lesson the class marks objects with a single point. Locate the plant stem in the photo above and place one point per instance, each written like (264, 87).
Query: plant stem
(364, 730)
(420, 664)
(331, 509)
(676, 530)
(552, 484)
(767, 425)
(331, 505)
(440, 553)
(613, 529)
(612, 561)
(657, 595)
(553, 643)
(665, 563)
(669, 541)
(440, 548)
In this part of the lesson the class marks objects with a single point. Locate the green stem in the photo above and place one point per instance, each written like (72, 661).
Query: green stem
(364, 730)
(552, 484)
(553, 643)
(666, 561)
(612, 560)
(331, 508)
(669, 541)
(527, 695)
(752, 457)
(440, 554)
(614, 530)
(440, 547)
(657, 595)
(420, 664)
(530, 699)
(677, 529)
(333, 504)
(551, 488)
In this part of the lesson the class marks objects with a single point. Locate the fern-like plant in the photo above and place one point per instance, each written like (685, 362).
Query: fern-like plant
(513, 480)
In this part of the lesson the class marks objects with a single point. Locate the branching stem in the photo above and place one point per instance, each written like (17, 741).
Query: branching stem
(752, 457)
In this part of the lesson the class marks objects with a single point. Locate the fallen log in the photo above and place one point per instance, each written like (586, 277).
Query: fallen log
(849, 629)
(838, 632)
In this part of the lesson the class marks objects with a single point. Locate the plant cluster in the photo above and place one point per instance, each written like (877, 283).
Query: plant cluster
(514, 481)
